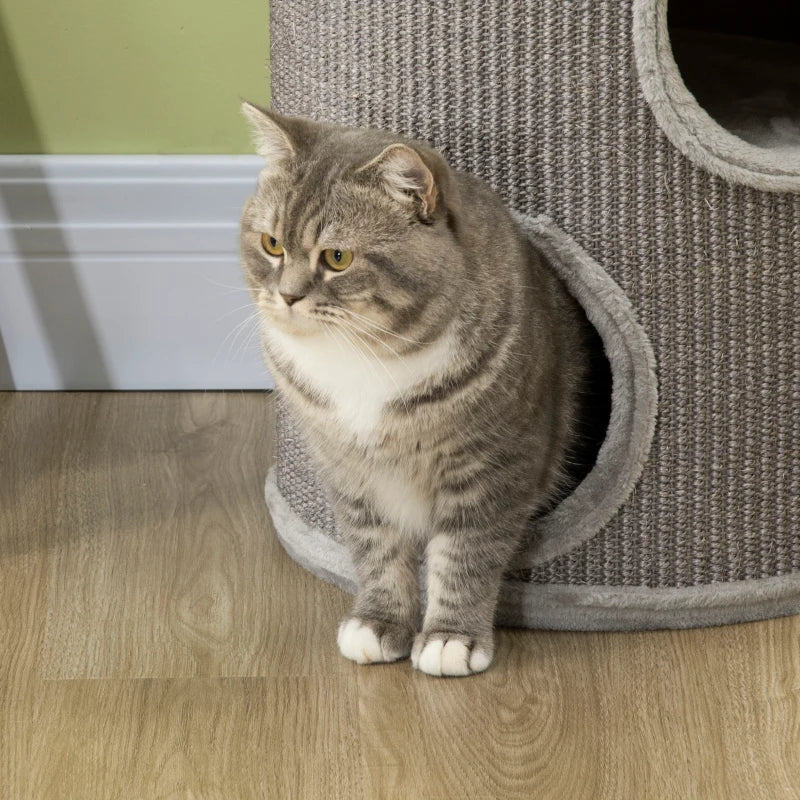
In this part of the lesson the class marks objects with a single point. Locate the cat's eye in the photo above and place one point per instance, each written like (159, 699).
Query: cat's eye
(271, 245)
(338, 259)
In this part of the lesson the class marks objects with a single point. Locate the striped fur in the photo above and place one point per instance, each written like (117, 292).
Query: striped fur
(436, 379)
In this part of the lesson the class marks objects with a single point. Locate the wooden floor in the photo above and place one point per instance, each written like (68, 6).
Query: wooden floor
(156, 642)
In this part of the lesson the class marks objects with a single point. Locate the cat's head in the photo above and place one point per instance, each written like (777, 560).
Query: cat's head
(351, 228)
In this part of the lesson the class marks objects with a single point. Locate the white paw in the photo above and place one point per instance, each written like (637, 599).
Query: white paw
(360, 643)
(438, 655)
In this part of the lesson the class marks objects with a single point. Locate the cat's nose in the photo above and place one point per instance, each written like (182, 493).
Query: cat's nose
(290, 298)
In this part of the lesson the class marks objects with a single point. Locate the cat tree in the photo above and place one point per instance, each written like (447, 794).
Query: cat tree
(679, 233)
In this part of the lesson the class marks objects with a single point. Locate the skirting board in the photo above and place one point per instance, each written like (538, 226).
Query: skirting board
(565, 607)
(122, 272)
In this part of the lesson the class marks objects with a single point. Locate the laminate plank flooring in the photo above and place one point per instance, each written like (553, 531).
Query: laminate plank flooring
(156, 642)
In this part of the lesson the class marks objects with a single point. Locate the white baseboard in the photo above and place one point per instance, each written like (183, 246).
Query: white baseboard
(122, 272)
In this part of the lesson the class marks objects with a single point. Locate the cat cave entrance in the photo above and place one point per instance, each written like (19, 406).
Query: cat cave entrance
(722, 78)
(617, 430)
(619, 419)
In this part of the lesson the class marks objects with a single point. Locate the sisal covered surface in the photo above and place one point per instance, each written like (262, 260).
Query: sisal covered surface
(544, 102)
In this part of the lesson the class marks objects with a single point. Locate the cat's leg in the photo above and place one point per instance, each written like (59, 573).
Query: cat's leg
(386, 611)
(464, 572)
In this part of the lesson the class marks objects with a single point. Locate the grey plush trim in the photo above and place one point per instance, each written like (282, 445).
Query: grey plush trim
(311, 548)
(629, 608)
(564, 607)
(687, 125)
(634, 398)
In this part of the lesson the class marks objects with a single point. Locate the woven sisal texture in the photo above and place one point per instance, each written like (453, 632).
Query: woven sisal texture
(542, 100)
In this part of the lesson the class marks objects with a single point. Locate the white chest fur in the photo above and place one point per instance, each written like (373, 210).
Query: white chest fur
(358, 383)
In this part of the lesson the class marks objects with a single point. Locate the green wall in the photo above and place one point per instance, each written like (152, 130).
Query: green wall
(130, 76)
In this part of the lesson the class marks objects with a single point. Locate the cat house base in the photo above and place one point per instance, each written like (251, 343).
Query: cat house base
(677, 229)
(562, 606)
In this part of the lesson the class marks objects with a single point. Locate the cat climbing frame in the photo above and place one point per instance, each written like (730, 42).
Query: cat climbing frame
(680, 238)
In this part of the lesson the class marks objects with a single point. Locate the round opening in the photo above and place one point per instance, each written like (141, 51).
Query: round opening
(617, 425)
(722, 80)
(741, 61)
(620, 400)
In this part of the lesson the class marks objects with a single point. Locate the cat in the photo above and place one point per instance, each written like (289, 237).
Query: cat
(433, 364)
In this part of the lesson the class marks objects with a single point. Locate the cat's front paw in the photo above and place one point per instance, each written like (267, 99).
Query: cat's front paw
(372, 642)
(452, 654)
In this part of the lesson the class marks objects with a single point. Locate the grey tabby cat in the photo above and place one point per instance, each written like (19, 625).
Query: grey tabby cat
(433, 364)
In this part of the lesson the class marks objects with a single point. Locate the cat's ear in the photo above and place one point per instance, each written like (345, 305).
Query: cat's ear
(406, 177)
(271, 139)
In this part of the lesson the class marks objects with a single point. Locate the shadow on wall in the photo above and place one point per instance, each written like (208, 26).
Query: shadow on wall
(6, 378)
(51, 280)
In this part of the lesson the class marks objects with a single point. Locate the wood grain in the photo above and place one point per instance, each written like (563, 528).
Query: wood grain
(156, 642)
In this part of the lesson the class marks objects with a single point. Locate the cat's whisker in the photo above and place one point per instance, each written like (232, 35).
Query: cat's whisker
(342, 336)
(236, 332)
(377, 339)
(248, 341)
(359, 351)
(342, 333)
(368, 321)
(331, 328)
(355, 332)
(233, 311)
(225, 286)
(245, 344)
